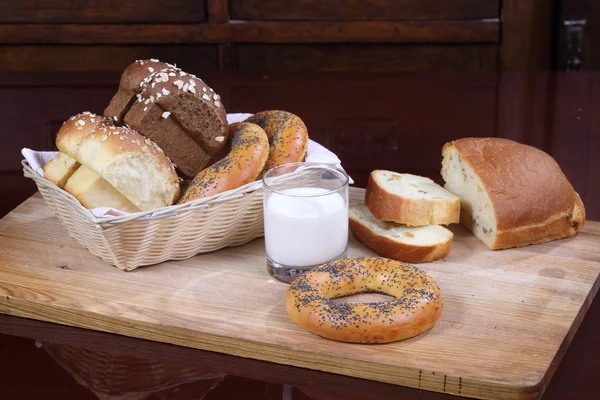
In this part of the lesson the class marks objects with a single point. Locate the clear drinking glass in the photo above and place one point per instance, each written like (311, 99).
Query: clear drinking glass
(306, 217)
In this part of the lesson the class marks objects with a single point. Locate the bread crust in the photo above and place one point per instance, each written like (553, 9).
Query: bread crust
(288, 136)
(389, 248)
(387, 206)
(243, 164)
(533, 200)
(129, 87)
(416, 309)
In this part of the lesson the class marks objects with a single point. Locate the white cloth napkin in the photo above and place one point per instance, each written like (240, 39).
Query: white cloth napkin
(37, 160)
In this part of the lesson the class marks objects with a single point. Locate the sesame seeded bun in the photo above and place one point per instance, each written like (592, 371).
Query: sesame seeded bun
(131, 164)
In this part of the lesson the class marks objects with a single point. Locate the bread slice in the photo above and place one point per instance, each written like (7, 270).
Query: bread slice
(399, 242)
(410, 199)
(59, 169)
(511, 194)
(92, 191)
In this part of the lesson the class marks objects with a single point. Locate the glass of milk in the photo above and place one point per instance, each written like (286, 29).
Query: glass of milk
(306, 217)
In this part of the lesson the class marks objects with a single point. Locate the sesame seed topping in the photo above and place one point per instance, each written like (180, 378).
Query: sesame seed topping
(150, 69)
(166, 114)
(172, 74)
(204, 89)
(154, 60)
(147, 101)
(217, 104)
(220, 139)
(216, 96)
(145, 109)
(178, 83)
(192, 82)
(192, 89)
(205, 97)
(164, 76)
(152, 98)
(185, 87)
(165, 92)
(80, 122)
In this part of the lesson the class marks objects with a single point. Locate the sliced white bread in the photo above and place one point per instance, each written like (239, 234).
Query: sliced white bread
(399, 242)
(410, 199)
(59, 169)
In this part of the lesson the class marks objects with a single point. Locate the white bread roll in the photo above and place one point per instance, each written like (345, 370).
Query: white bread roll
(59, 169)
(410, 199)
(400, 242)
(132, 164)
(511, 194)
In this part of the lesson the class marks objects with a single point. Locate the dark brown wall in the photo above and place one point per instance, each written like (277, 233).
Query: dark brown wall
(273, 35)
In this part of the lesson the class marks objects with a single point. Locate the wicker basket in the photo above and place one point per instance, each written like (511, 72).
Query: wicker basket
(169, 233)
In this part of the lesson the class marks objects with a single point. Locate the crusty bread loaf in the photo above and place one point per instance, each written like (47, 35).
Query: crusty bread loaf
(129, 162)
(177, 110)
(60, 168)
(410, 199)
(511, 194)
(129, 87)
(400, 242)
(243, 164)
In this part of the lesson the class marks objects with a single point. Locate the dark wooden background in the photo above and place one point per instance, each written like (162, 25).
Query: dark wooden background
(383, 83)
(296, 35)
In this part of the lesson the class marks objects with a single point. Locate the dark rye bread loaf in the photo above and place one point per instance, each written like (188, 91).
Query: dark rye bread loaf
(177, 110)
(130, 86)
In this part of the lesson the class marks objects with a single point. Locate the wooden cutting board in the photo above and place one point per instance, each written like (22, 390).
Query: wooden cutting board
(508, 318)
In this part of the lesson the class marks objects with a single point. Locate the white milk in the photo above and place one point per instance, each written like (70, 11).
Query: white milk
(305, 231)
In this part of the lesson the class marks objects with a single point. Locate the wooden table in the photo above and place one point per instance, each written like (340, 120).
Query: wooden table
(555, 112)
(509, 316)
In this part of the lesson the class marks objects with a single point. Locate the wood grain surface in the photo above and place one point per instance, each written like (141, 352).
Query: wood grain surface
(453, 31)
(363, 9)
(105, 11)
(508, 316)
